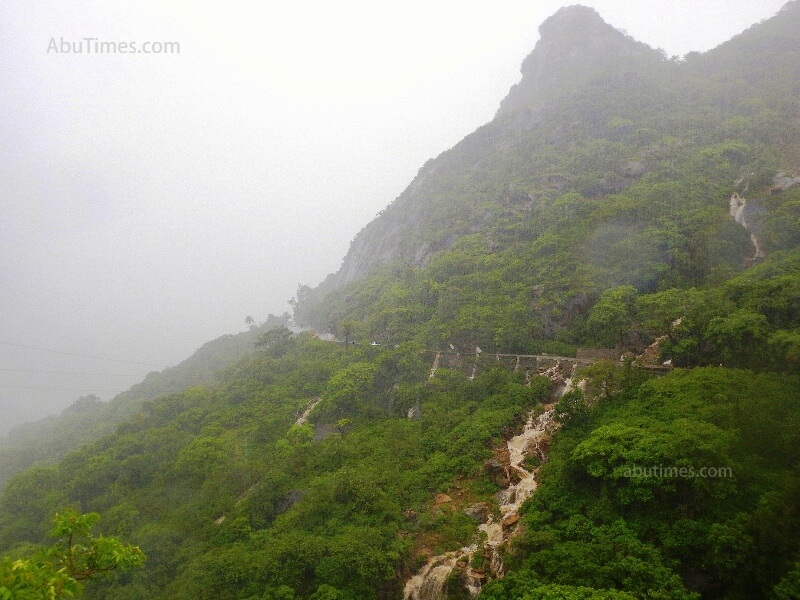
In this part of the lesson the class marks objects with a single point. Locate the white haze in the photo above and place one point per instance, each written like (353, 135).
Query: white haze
(149, 202)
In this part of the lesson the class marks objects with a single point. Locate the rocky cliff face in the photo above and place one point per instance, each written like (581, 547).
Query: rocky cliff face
(576, 46)
(590, 116)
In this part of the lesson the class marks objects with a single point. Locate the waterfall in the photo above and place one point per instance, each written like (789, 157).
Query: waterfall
(430, 582)
(738, 206)
(304, 417)
(528, 443)
(435, 365)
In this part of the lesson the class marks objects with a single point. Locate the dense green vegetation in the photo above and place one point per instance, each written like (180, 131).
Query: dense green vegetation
(60, 570)
(229, 499)
(89, 419)
(693, 474)
(508, 239)
(593, 214)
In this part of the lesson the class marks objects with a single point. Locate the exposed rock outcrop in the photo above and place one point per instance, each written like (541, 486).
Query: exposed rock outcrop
(744, 213)
(575, 46)
(784, 183)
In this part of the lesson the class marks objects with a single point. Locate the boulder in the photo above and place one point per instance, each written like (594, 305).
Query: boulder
(478, 512)
(634, 169)
(784, 183)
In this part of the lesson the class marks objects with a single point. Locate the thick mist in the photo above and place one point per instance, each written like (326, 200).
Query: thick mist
(150, 201)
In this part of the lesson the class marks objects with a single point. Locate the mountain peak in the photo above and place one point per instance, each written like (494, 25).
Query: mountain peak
(576, 16)
(575, 47)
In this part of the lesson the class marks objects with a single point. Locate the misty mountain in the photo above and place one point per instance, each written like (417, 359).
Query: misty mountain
(88, 418)
(635, 214)
(645, 142)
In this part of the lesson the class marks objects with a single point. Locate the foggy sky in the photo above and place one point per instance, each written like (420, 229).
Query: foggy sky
(150, 202)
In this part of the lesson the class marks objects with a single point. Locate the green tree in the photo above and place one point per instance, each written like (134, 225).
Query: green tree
(59, 571)
(739, 339)
(611, 316)
(327, 592)
(789, 586)
(283, 592)
(275, 342)
(350, 393)
(604, 379)
(571, 408)
(348, 329)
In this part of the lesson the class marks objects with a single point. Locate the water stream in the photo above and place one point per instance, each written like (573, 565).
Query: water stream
(304, 417)
(431, 581)
(738, 213)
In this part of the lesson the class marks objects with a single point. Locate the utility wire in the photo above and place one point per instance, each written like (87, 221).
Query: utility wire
(130, 362)
(68, 373)
(32, 387)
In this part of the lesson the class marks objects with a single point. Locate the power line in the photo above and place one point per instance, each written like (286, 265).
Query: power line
(68, 373)
(33, 387)
(130, 362)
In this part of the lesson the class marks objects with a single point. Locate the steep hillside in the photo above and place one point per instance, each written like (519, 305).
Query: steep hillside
(576, 49)
(89, 419)
(617, 170)
(301, 475)
(641, 208)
